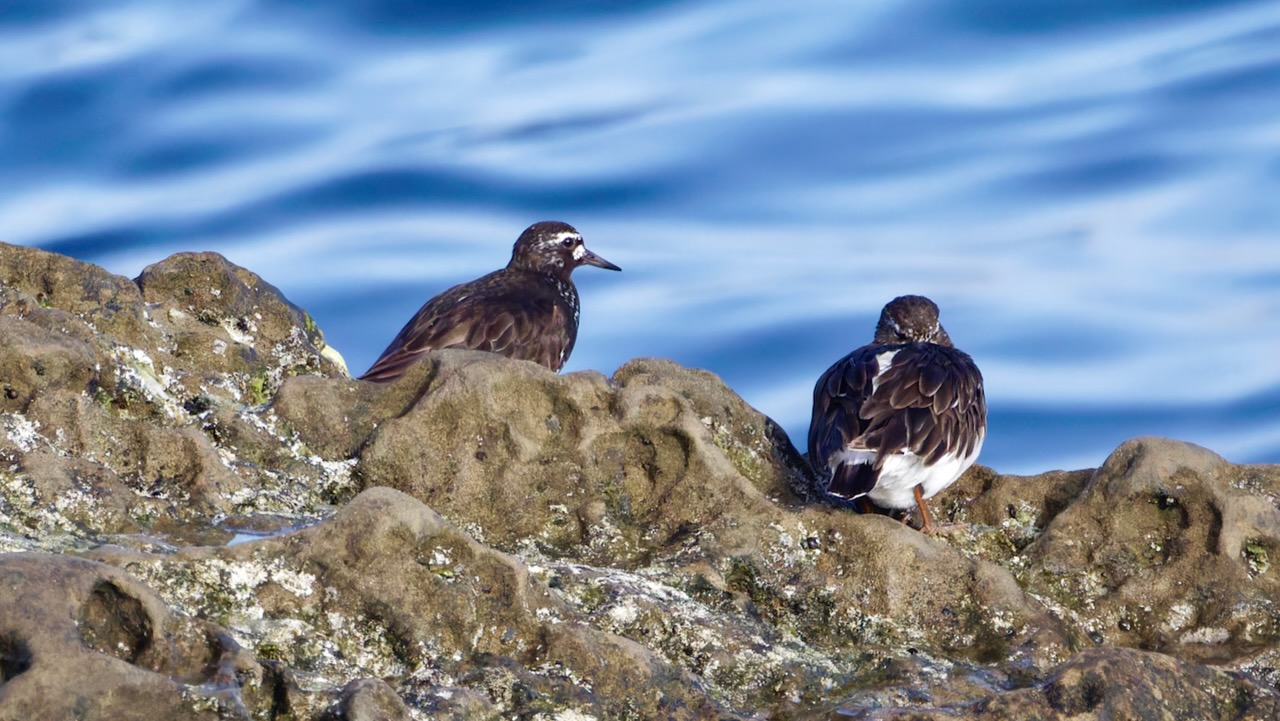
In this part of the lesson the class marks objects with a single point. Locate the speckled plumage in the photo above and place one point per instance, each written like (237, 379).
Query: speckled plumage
(901, 418)
(527, 311)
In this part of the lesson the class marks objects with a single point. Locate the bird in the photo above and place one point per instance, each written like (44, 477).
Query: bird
(901, 418)
(527, 310)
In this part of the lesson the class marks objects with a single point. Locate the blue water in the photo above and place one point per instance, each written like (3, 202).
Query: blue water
(1089, 189)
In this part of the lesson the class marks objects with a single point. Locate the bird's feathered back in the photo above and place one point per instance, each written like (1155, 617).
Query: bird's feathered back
(500, 313)
(527, 311)
(922, 397)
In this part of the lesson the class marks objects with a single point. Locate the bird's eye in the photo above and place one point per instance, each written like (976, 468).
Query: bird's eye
(567, 242)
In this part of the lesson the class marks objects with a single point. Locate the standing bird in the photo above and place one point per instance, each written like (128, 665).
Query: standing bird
(899, 419)
(527, 311)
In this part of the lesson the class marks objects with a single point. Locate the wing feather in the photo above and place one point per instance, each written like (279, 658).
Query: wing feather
(525, 323)
(836, 424)
(929, 401)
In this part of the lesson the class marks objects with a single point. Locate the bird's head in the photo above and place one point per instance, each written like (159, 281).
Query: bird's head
(554, 248)
(911, 319)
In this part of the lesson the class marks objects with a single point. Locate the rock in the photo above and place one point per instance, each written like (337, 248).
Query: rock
(367, 700)
(485, 539)
(119, 401)
(1102, 683)
(35, 357)
(335, 419)
(388, 587)
(633, 472)
(1168, 548)
(84, 640)
(243, 325)
(46, 286)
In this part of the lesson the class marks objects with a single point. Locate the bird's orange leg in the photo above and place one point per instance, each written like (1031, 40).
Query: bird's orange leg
(926, 522)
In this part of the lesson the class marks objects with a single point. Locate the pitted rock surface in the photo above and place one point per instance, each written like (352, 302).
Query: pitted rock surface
(484, 539)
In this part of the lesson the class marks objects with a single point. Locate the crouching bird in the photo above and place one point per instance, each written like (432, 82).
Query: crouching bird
(527, 311)
(899, 419)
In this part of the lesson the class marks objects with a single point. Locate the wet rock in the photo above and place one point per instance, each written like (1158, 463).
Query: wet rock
(367, 700)
(84, 640)
(117, 422)
(388, 587)
(1103, 683)
(485, 539)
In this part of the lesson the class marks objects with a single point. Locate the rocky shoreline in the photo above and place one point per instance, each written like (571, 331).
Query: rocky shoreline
(203, 517)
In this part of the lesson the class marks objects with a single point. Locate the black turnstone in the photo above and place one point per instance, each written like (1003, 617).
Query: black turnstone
(527, 311)
(899, 419)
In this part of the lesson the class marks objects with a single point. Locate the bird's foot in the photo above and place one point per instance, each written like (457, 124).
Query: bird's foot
(927, 526)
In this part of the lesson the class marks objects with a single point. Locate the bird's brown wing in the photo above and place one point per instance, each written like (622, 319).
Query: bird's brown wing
(536, 330)
(837, 402)
(929, 402)
(492, 319)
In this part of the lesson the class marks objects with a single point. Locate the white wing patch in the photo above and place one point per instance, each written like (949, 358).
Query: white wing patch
(883, 361)
(852, 457)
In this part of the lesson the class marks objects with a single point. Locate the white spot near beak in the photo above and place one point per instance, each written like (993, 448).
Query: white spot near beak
(579, 250)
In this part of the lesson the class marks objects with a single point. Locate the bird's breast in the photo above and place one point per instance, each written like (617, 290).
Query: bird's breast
(569, 295)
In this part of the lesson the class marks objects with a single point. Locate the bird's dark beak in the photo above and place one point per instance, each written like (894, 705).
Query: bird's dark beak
(589, 258)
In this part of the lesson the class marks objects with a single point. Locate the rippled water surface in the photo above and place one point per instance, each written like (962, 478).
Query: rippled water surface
(1090, 190)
